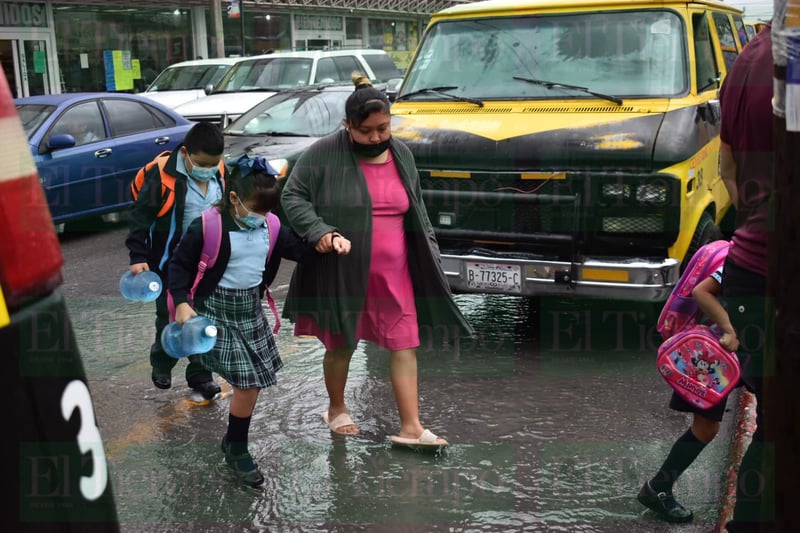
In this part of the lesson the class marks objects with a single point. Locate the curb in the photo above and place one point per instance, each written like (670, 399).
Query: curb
(743, 432)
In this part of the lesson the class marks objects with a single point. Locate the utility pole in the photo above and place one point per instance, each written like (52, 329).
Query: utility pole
(215, 10)
(782, 409)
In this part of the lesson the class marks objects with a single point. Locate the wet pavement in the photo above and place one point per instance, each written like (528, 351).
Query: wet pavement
(554, 412)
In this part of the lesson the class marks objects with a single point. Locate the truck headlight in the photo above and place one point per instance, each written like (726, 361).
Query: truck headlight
(649, 193)
(616, 191)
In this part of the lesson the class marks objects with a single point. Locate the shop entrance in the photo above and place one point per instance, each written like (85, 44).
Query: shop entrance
(27, 63)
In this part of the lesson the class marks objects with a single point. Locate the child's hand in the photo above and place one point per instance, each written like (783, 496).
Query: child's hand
(340, 245)
(333, 242)
(729, 341)
(184, 312)
(136, 268)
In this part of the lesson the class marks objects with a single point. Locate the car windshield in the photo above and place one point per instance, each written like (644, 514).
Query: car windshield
(188, 77)
(624, 54)
(32, 116)
(265, 74)
(311, 114)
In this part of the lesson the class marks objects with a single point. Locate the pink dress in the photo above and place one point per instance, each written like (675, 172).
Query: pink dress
(389, 317)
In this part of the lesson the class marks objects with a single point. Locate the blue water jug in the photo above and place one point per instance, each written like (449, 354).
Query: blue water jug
(197, 335)
(143, 287)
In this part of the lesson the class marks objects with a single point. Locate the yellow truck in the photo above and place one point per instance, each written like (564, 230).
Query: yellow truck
(570, 147)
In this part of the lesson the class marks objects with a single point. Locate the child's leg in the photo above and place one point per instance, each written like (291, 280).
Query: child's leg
(234, 443)
(684, 452)
(243, 402)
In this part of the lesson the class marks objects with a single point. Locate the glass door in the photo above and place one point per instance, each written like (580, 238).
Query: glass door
(28, 63)
(34, 67)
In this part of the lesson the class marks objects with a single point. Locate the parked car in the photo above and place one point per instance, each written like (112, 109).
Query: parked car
(281, 127)
(89, 146)
(58, 463)
(188, 80)
(256, 78)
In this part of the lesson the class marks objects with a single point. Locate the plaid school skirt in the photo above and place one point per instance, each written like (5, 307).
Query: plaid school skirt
(245, 353)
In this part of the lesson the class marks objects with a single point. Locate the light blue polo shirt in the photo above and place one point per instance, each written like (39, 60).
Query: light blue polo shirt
(196, 202)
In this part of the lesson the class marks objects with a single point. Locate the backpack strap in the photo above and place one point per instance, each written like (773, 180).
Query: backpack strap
(167, 182)
(273, 229)
(212, 239)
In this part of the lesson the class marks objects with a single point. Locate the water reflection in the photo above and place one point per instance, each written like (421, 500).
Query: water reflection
(536, 406)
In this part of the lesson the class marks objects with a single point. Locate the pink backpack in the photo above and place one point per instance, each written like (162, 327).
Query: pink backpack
(681, 311)
(212, 238)
(695, 365)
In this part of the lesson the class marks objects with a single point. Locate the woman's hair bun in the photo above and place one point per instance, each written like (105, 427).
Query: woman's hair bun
(360, 80)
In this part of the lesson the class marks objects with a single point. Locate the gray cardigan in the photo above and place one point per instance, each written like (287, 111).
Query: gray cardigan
(327, 191)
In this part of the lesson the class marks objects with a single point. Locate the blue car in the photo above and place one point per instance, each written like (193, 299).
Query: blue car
(88, 147)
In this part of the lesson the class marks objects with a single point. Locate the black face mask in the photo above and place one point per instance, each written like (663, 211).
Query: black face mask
(370, 150)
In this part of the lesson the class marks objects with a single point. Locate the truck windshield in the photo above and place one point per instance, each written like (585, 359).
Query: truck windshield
(625, 54)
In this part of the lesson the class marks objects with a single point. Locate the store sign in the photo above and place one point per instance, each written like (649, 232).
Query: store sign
(233, 9)
(23, 15)
(318, 23)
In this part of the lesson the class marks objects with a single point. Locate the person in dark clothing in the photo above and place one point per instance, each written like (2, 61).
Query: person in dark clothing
(169, 193)
(746, 165)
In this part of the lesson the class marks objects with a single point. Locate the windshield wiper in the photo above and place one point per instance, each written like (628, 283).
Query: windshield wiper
(555, 85)
(438, 91)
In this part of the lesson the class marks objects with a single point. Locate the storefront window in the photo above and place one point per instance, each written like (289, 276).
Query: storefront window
(263, 32)
(155, 37)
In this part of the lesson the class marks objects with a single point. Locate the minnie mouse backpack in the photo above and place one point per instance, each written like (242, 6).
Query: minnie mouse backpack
(691, 359)
(697, 367)
(681, 311)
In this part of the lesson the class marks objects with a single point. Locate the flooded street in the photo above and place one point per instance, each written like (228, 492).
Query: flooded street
(554, 412)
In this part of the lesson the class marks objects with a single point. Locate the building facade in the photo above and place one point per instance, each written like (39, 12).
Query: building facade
(53, 46)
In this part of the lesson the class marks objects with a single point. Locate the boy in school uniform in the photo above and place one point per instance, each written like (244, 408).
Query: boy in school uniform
(169, 193)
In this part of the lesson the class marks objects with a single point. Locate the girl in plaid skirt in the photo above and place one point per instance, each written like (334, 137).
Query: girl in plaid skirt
(230, 294)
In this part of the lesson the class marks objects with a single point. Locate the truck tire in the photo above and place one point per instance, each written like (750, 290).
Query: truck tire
(705, 233)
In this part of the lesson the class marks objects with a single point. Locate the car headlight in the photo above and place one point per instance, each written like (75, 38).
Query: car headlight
(281, 166)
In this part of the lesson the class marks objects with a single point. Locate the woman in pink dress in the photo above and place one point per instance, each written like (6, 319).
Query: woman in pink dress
(355, 194)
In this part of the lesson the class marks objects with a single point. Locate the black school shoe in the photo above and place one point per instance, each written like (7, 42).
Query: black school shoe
(663, 504)
(162, 381)
(246, 469)
(208, 389)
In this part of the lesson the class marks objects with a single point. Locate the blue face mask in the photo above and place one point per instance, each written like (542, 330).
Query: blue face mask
(251, 220)
(201, 173)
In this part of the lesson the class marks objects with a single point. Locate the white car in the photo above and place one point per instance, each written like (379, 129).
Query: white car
(188, 80)
(255, 78)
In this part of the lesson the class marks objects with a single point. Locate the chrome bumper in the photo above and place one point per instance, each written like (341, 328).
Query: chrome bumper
(631, 279)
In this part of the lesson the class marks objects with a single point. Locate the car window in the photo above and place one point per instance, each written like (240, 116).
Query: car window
(326, 71)
(83, 121)
(346, 65)
(706, 70)
(127, 117)
(32, 116)
(311, 114)
(740, 30)
(382, 66)
(188, 77)
(727, 38)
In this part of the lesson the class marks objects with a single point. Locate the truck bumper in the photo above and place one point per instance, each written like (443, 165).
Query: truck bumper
(630, 279)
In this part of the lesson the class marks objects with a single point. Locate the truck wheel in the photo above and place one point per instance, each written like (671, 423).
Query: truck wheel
(705, 233)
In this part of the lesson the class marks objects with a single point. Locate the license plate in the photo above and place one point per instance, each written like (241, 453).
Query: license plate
(493, 276)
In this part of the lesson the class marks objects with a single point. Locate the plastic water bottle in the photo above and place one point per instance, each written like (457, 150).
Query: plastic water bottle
(197, 335)
(143, 287)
